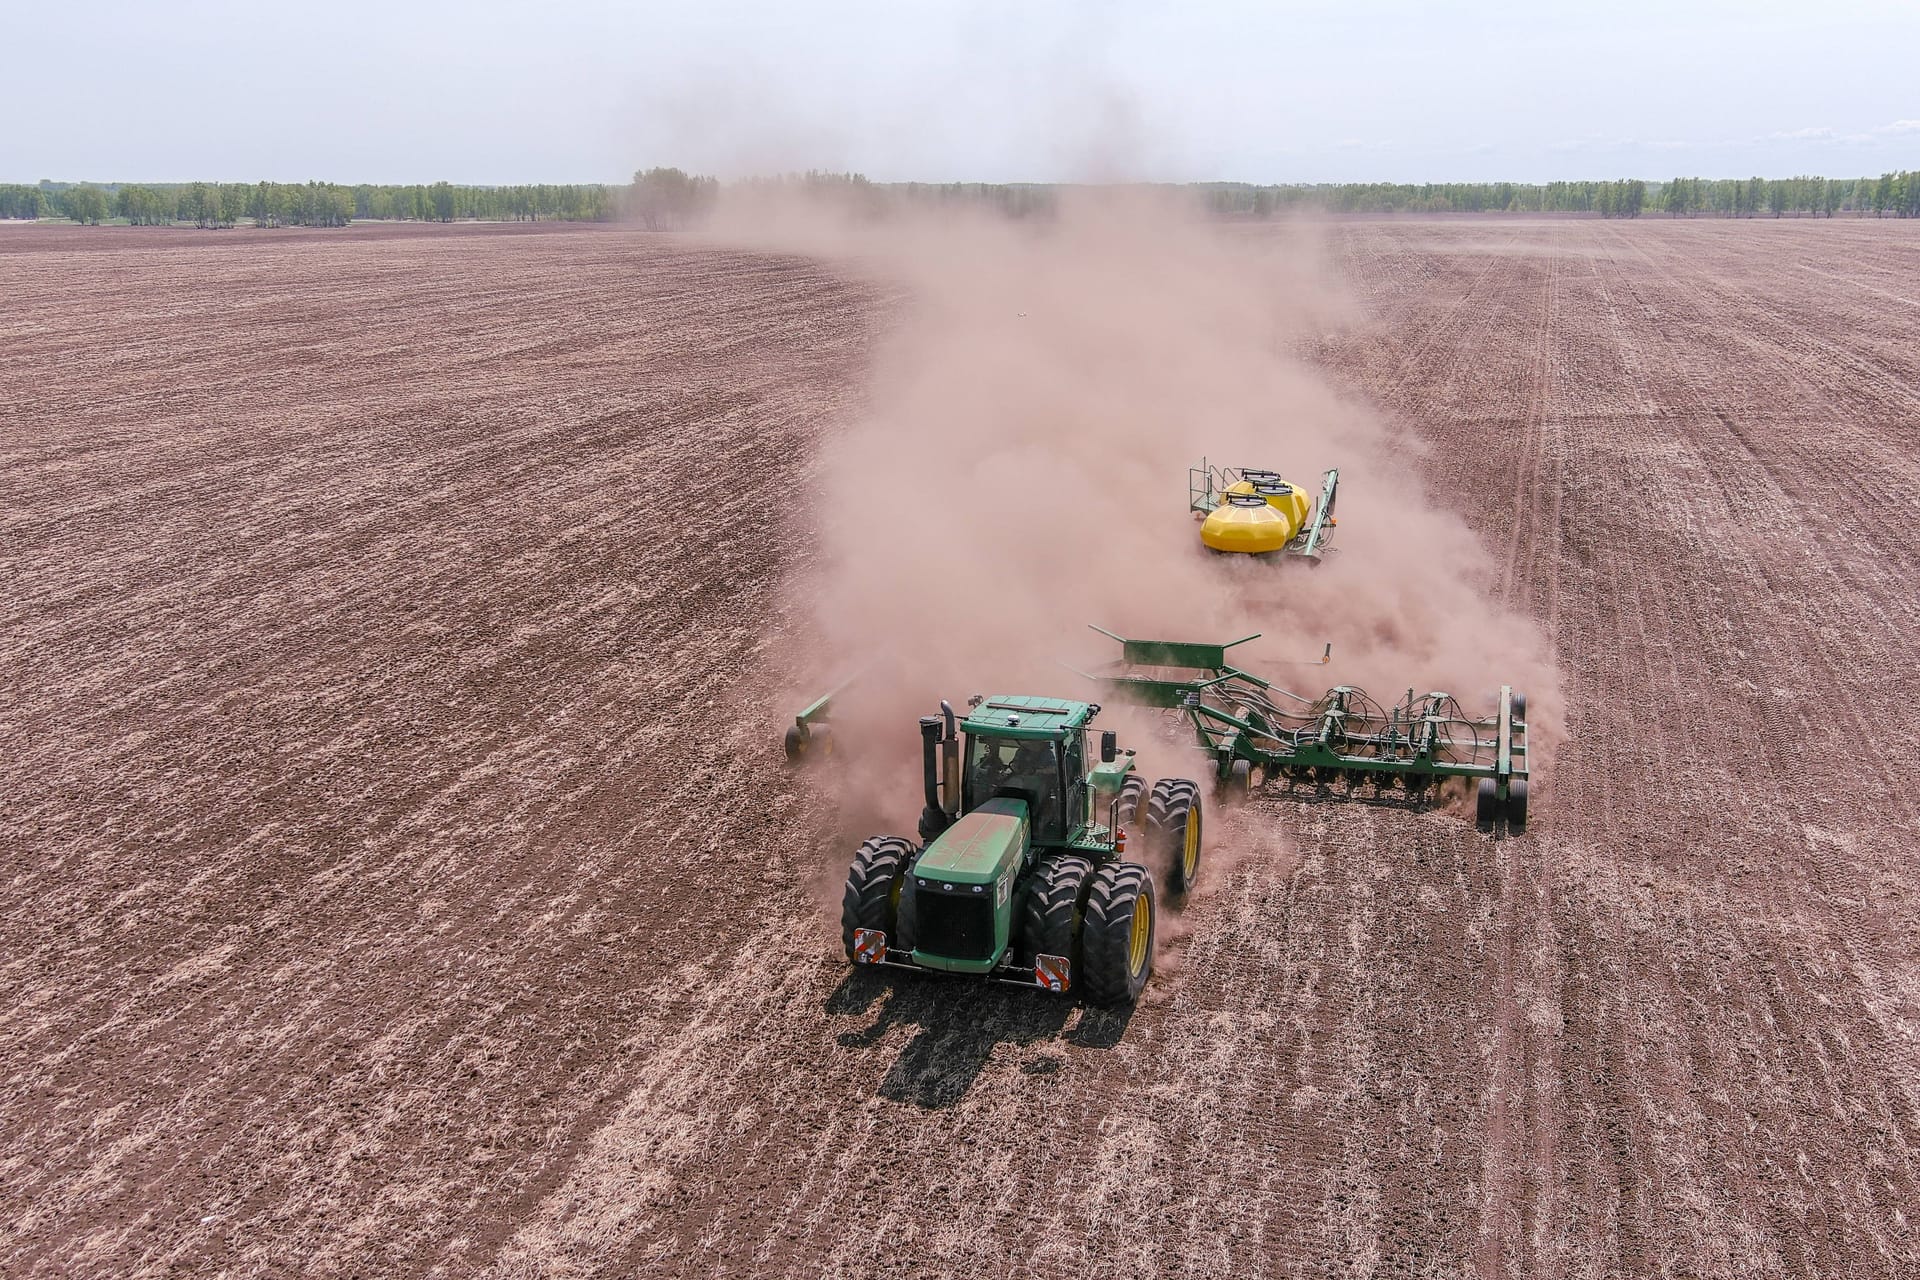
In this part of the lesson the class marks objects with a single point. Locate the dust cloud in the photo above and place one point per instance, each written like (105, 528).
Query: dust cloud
(1021, 472)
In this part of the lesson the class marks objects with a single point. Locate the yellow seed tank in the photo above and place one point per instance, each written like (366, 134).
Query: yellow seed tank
(1261, 513)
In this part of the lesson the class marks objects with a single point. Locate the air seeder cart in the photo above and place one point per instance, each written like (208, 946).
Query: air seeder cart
(1250, 511)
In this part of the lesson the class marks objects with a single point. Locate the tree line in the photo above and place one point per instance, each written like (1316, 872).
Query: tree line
(1624, 198)
(1896, 193)
(310, 204)
(667, 198)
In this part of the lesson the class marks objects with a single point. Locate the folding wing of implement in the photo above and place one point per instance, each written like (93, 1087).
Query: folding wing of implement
(1342, 744)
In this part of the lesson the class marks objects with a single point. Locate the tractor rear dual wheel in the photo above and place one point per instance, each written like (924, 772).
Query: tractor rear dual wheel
(1132, 791)
(872, 897)
(1175, 828)
(1117, 934)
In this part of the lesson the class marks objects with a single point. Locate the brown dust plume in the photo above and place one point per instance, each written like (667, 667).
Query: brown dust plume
(1022, 469)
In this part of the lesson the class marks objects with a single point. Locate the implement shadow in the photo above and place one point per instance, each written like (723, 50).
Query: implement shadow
(958, 1026)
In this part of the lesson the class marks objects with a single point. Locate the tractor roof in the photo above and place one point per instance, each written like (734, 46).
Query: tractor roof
(1010, 716)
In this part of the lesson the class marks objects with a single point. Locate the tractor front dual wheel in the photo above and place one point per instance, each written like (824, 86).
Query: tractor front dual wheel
(1175, 831)
(1117, 934)
(1050, 910)
(872, 897)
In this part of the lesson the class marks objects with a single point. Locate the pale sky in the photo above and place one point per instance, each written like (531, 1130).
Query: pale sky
(589, 90)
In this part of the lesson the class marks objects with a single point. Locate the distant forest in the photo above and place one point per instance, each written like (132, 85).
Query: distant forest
(664, 198)
(1890, 194)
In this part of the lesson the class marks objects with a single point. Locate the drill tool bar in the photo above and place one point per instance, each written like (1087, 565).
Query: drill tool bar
(1244, 723)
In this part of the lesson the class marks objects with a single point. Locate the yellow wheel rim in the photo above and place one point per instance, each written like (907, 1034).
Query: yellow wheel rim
(1142, 934)
(1190, 859)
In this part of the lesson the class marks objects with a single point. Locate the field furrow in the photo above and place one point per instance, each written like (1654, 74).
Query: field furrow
(404, 877)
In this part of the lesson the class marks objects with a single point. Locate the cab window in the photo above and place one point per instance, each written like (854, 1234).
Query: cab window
(1025, 768)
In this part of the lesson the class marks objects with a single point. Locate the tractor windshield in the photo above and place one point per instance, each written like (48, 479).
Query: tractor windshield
(1026, 768)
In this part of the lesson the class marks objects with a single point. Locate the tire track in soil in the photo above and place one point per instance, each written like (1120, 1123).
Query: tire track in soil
(1618, 466)
(1828, 491)
(321, 934)
(413, 881)
(1793, 746)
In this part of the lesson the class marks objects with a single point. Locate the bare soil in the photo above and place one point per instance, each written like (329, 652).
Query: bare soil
(401, 875)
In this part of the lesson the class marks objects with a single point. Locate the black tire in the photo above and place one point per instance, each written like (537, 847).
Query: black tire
(795, 743)
(1237, 787)
(1114, 970)
(906, 916)
(1517, 807)
(872, 897)
(1520, 706)
(1175, 830)
(1486, 805)
(1132, 791)
(1050, 910)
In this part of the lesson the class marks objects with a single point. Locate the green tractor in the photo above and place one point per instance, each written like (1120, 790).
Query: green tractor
(1020, 875)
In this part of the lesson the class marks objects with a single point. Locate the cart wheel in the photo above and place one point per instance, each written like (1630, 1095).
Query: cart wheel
(1517, 806)
(1237, 787)
(796, 743)
(1519, 706)
(1486, 805)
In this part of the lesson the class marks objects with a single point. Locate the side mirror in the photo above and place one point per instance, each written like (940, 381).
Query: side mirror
(1109, 746)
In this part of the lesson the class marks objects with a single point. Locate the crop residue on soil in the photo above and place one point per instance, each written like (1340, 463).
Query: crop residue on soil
(403, 874)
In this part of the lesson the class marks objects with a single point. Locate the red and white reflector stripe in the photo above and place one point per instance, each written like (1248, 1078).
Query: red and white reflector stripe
(869, 946)
(1052, 972)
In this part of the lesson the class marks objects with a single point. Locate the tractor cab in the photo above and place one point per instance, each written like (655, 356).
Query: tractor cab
(1033, 750)
(1030, 770)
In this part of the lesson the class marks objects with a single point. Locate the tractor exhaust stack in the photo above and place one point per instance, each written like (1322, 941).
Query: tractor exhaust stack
(950, 763)
(933, 818)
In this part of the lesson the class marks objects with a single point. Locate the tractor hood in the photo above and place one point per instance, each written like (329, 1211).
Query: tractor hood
(979, 848)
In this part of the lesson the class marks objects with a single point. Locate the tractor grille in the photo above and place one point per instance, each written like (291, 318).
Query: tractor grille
(958, 926)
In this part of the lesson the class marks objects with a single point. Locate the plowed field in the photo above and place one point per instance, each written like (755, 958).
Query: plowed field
(401, 875)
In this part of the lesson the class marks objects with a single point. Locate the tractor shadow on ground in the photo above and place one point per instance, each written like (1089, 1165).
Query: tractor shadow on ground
(958, 1026)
